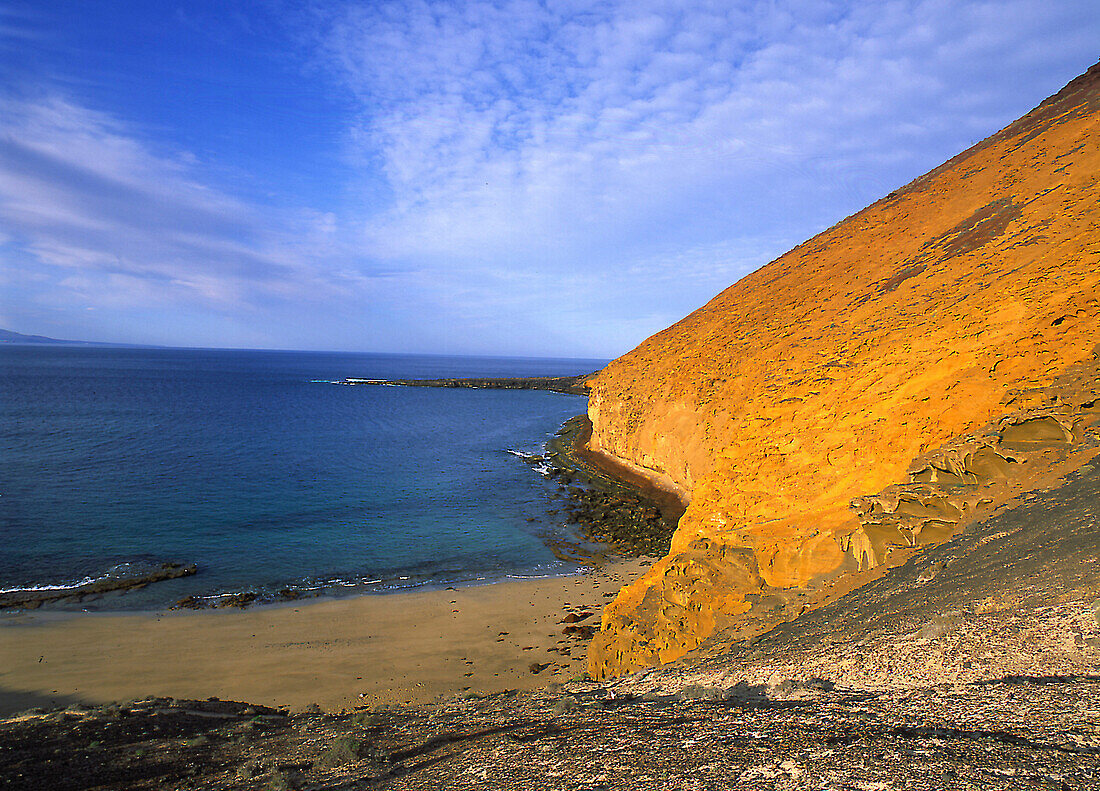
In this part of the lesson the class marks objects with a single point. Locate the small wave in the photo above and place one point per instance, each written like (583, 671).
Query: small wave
(343, 583)
(520, 453)
(333, 582)
(63, 586)
(120, 570)
(125, 573)
(536, 460)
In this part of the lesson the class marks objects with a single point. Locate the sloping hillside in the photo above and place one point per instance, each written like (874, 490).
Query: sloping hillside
(868, 392)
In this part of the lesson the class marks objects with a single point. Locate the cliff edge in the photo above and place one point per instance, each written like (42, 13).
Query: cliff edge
(867, 393)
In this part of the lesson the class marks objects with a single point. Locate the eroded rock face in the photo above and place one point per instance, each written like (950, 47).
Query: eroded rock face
(869, 389)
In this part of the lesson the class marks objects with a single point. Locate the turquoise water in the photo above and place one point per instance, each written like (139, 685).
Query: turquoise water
(249, 464)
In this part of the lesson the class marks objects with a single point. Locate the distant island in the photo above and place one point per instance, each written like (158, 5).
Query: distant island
(8, 336)
(12, 338)
(19, 338)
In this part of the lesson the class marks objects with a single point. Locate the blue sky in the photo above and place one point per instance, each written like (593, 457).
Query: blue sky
(528, 178)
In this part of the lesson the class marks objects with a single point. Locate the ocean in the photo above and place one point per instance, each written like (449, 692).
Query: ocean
(261, 469)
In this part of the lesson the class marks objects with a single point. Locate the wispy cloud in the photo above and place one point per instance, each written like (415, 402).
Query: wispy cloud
(605, 128)
(118, 225)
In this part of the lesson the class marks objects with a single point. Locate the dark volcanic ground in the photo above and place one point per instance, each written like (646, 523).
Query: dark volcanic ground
(1013, 733)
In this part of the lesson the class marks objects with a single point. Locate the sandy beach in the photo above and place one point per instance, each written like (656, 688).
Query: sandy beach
(399, 648)
(339, 654)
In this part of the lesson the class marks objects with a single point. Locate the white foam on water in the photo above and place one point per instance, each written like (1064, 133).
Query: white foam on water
(542, 467)
(64, 586)
(116, 572)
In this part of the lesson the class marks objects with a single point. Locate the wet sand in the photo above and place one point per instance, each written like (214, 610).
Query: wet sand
(365, 651)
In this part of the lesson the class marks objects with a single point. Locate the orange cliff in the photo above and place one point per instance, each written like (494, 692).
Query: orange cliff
(852, 364)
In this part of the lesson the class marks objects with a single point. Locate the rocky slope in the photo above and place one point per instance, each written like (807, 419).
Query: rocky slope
(869, 392)
(1010, 734)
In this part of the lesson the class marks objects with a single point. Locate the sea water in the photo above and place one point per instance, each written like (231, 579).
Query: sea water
(261, 469)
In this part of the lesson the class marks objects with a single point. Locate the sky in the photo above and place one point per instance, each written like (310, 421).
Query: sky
(554, 178)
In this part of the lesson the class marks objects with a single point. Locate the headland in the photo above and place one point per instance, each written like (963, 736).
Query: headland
(869, 393)
(572, 385)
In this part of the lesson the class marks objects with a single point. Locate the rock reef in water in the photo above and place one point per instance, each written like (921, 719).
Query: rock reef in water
(572, 385)
(869, 391)
(129, 580)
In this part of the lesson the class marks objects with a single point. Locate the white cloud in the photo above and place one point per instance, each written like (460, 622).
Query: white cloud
(507, 127)
(123, 226)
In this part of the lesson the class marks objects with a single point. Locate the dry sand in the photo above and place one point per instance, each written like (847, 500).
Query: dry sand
(339, 654)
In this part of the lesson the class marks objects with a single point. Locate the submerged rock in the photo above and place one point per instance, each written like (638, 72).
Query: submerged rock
(32, 599)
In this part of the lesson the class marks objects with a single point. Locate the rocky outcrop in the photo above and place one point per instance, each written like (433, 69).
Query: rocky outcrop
(1013, 596)
(869, 391)
(122, 580)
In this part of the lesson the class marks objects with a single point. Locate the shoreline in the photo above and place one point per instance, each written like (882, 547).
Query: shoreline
(619, 509)
(339, 653)
(367, 649)
(567, 459)
(672, 502)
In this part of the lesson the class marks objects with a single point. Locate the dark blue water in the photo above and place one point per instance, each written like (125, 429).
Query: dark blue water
(241, 462)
